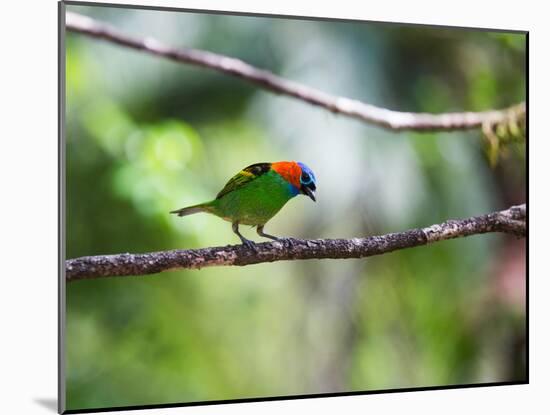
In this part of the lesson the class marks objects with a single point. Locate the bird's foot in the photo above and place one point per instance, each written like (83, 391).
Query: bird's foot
(249, 244)
(287, 241)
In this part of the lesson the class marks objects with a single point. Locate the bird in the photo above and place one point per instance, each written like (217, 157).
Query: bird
(256, 194)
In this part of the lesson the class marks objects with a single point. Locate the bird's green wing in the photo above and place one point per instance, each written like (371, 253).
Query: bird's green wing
(243, 177)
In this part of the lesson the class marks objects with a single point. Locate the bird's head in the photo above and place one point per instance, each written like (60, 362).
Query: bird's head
(298, 175)
(307, 181)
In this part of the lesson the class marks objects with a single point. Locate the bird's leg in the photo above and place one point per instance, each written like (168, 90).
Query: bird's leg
(246, 242)
(260, 231)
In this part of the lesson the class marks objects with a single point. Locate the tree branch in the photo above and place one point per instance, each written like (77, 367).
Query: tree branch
(392, 120)
(511, 221)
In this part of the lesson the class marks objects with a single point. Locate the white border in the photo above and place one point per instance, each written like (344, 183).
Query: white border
(29, 204)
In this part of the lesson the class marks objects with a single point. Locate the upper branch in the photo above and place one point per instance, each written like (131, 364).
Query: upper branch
(511, 221)
(393, 120)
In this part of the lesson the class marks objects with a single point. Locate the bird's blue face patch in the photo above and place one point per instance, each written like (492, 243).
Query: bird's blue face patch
(307, 178)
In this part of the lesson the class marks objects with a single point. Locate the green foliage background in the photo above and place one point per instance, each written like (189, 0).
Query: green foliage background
(146, 136)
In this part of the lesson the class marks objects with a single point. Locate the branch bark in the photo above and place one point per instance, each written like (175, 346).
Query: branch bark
(392, 120)
(510, 221)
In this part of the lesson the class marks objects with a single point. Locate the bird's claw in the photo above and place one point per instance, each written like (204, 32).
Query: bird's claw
(249, 244)
(287, 241)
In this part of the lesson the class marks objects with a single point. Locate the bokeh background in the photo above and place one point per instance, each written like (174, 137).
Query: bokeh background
(145, 136)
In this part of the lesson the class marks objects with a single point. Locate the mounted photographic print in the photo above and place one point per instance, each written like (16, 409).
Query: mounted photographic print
(257, 207)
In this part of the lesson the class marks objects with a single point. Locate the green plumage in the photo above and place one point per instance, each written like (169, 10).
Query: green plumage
(247, 199)
(255, 202)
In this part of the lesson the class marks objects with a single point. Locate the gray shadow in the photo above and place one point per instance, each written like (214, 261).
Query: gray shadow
(48, 403)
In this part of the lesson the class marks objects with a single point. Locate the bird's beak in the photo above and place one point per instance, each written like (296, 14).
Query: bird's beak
(309, 192)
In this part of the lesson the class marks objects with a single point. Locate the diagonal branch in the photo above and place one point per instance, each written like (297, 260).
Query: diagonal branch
(392, 120)
(510, 221)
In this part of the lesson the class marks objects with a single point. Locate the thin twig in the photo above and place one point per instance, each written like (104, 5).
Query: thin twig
(393, 120)
(510, 221)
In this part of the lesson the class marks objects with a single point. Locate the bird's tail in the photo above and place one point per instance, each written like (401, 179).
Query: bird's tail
(189, 210)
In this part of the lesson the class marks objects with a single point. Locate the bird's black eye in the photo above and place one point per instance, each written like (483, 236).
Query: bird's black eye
(305, 178)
